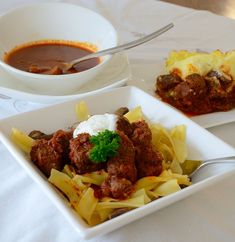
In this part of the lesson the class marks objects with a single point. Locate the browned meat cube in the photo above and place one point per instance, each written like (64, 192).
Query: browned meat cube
(117, 187)
(122, 171)
(166, 82)
(123, 164)
(124, 125)
(141, 133)
(60, 142)
(79, 154)
(45, 157)
(148, 161)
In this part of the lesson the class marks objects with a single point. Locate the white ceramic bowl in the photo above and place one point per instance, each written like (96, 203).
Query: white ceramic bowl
(60, 21)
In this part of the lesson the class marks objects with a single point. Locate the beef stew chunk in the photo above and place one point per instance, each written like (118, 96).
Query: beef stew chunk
(124, 125)
(45, 157)
(197, 94)
(36, 134)
(123, 164)
(79, 155)
(121, 170)
(60, 142)
(117, 187)
(148, 161)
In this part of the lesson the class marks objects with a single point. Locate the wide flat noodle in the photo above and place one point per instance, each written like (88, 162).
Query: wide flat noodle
(128, 203)
(135, 115)
(69, 170)
(167, 188)
(175, 166)
(22, 140)
(104, 213)
(147, 189)
(82, 111)
(79, 183)
(171, 144)
(181, 179)
(178, 136)
(162, 142)
(160, 135)
(98, 177)
(141, 192)
(149, 182)
(87, 205)
(65, 184)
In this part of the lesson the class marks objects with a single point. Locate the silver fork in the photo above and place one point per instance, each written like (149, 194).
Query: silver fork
(221, 160)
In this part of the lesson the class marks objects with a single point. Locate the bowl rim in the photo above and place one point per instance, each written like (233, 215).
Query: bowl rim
(41, 77)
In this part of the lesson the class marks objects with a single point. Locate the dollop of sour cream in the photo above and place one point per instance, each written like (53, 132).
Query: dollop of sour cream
(96, 124)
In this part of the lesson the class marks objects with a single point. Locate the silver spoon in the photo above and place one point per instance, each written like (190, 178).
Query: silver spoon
(221, 160)
(119, 48)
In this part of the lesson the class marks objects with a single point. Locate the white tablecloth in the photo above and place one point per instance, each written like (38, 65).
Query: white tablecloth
(26, 214)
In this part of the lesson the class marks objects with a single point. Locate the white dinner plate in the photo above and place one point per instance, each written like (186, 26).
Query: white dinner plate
(149, 72)
(201, 145)
(116, 74)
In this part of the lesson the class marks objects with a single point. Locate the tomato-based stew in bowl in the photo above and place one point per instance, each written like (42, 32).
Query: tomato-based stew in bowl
(48, 56)
(53, 35)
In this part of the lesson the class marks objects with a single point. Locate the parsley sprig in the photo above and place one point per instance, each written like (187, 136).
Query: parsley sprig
(105, 145)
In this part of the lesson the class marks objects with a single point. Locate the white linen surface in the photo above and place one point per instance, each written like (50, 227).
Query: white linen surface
(26, 214)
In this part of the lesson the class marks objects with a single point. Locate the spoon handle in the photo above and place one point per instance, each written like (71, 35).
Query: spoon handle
(124, 46)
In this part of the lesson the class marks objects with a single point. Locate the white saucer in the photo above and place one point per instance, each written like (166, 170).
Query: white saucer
(116, 74)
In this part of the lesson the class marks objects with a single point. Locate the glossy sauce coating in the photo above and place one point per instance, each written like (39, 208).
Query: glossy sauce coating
(47, 57)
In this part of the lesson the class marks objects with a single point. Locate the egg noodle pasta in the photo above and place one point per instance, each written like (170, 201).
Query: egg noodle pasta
(96, 178)
(80, 189)
(134, 115)
(22, 140)
(66, 185)
(82, 111)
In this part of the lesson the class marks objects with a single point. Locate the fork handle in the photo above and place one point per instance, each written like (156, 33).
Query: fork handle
(226, 160)
(221, 159)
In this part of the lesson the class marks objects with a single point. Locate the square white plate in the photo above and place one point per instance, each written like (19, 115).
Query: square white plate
(201, 145)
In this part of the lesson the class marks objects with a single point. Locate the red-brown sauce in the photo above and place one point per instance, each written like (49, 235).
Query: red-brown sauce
(47, 57)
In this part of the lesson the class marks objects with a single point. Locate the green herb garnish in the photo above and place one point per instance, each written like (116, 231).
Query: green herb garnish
(105, 145)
